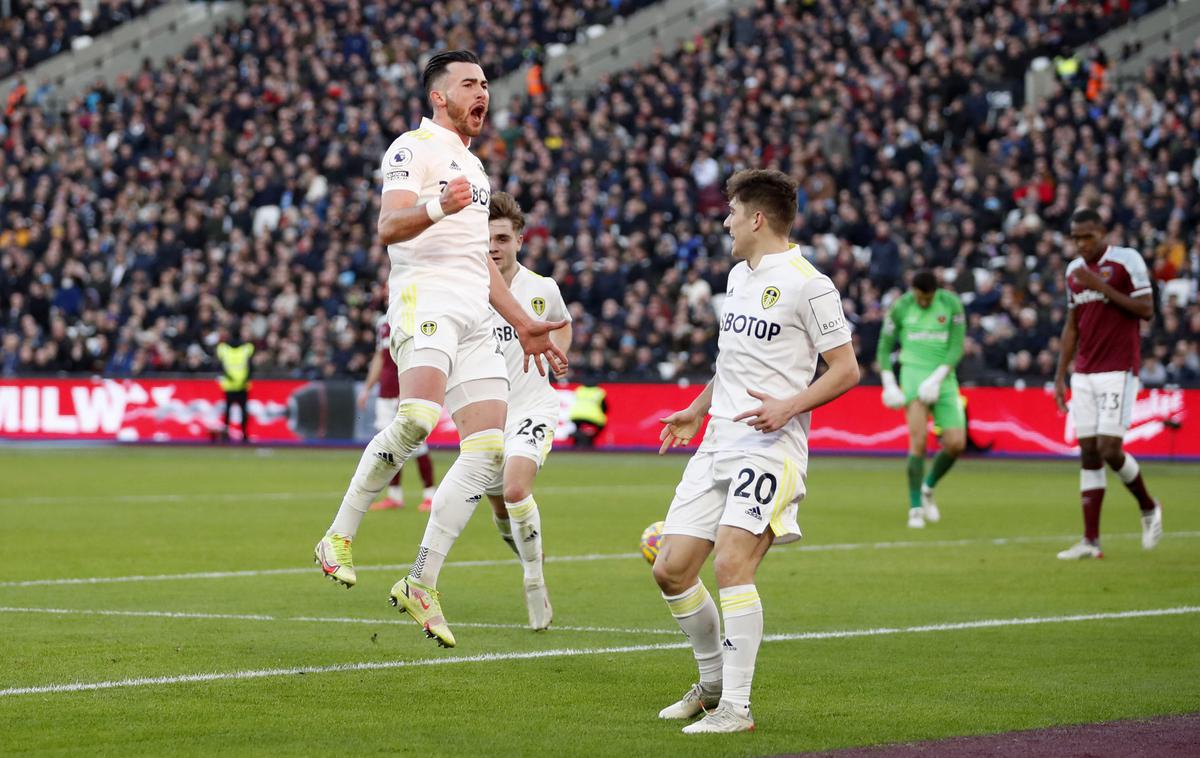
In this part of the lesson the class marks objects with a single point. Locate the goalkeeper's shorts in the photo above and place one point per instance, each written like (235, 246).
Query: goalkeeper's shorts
(948, 410)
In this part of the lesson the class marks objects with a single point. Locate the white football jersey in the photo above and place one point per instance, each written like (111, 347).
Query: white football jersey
(775, 321)
(450, 255)
(540, 297)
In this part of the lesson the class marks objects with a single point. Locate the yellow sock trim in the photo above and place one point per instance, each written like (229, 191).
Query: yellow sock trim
(740, 601)
(689, 602)
(488, 441)
(523, 510)
(423, 412)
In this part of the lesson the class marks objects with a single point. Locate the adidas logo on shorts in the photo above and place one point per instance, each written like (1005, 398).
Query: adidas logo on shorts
(755, 512)
(454, 165)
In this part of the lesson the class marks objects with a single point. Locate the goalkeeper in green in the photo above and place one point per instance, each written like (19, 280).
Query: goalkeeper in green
(929, 325)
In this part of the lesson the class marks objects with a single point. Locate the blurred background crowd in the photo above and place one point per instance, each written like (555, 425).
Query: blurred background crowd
(234, 190)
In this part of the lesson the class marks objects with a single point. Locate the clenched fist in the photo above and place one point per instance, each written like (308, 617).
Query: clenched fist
(456, 195)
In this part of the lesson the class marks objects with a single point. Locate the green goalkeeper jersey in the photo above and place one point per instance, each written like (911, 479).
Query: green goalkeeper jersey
(928, 337)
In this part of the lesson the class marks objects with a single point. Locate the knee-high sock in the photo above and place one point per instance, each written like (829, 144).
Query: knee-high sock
(941, 464)
(743, 615)
(1131, 474)
(916, 472)
(385, 453)
(697, 616)
(480, 457)
(527, 535)
(1091, 493)
(425, 465)
(504, 526)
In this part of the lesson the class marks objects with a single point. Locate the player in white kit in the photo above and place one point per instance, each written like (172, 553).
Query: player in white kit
(532, 406)
(433, 218)
(741, 490)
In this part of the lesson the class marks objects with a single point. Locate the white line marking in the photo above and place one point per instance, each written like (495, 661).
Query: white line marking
(574, 652)
(901, 544)
(313, 619)
(307, 495)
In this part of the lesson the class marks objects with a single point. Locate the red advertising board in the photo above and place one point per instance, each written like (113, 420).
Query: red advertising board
(1012, 422)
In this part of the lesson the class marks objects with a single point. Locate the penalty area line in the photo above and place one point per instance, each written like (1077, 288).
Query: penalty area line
(572, 652)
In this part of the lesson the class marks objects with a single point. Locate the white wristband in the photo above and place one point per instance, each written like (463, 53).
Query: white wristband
(434, 209)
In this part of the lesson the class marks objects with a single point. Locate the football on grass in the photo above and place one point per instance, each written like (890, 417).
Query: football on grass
(651, 539)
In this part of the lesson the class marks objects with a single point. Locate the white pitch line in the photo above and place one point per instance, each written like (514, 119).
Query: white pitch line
(176, 497)
(313, 619)
(833, 547)
(575, 652)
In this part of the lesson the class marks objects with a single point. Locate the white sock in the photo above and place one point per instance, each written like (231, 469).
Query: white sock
(480, 457)
(396, 492)
(527, 535)
(697, 616)
(743, 634)
(1129, 469)
(384, 456)
(430, 492)
(505, 527)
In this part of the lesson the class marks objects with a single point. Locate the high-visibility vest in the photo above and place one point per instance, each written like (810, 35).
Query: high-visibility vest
(235, 366)
(589, 406)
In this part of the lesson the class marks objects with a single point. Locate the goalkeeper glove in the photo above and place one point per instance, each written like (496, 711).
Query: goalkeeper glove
(893, 396)
(932, 387)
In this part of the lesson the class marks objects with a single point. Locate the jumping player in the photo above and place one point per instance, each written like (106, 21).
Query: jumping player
(433, 218)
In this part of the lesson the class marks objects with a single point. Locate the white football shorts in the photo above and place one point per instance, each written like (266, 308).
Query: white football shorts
(461, 331)
(750, 491)
(1102, 403)
(526, 435)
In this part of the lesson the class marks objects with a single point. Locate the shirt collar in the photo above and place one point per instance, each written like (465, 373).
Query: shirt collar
(442, 134)
(770, 260)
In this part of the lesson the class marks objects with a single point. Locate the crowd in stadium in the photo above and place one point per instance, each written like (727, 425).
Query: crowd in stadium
(234, 191)
(37, 30)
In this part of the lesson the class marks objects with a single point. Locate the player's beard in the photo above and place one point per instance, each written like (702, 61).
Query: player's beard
(462, 120)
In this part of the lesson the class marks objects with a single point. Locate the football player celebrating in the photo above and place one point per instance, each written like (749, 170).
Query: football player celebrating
(740, 492)
(532, 406)
(433, 218)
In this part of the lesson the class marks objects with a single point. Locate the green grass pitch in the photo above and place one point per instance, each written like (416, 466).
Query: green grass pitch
(863, 609)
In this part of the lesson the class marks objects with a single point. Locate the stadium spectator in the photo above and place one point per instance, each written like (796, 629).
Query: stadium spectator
(237, 182)
(40, 29)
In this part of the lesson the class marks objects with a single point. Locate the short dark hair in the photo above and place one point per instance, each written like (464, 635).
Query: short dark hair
(925, 281)
(1086, 216)
(767, 190)
(504, 206)
(439, 62)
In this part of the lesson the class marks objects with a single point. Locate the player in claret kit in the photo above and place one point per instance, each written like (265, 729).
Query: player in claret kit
(434, 219)
(383, 372)
(929, 325)
(741, 490)
(532, 407)
(1109, 294)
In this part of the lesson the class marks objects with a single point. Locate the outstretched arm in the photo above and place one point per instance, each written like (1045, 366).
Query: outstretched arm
(682, 426)
(533, 335)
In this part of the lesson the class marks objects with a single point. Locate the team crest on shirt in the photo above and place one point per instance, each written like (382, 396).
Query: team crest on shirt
(539, 305)
(770, 296)
(1106, 272)
(428, 328)
(941, 319)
